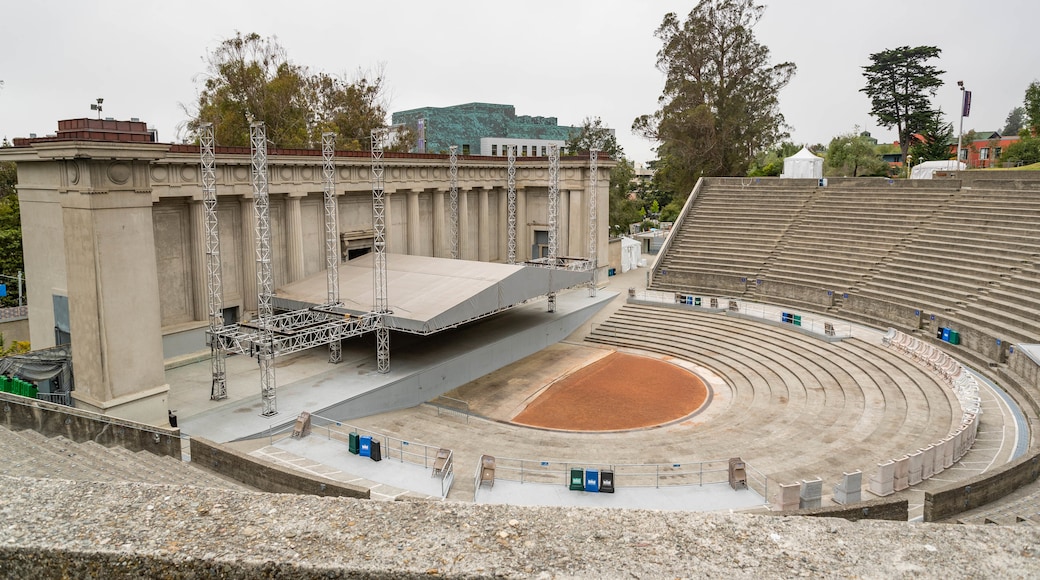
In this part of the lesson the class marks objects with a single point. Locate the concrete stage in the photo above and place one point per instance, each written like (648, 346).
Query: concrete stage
(421, 368)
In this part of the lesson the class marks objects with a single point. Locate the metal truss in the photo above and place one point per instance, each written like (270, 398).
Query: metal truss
(214, 293)
(511, 200)
(294, 331)
(453, 198)
(380, 307)
(563, 263)
(554, 202)
(264, 280)
(593, 194)
(332, 255)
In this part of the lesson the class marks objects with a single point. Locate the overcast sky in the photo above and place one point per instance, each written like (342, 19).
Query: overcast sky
(564, 58)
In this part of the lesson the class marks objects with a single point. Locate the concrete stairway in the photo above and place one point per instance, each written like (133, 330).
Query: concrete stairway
(31, 454)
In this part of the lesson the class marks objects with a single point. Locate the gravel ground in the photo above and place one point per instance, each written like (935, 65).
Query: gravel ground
(54, 528)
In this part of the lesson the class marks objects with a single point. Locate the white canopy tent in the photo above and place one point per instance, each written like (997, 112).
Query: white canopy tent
(926, 169)
(630, 254)
(803, 165)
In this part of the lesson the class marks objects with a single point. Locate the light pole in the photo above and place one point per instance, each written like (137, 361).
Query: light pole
(97, 107)
(909, 164)
(965, 110)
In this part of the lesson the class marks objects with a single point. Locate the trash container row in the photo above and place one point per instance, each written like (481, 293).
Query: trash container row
(948, 335)
(365, 446)
(17, 386)
(591, 480)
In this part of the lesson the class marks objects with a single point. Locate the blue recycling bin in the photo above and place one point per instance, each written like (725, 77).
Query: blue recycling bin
(946, 335)
(591, 480)
(366, 446)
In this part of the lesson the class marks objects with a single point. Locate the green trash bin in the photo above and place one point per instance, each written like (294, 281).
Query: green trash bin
(577, 479)
(955, 337)
(352, 443)
(697, 301)
(797, 319)
(5, 384)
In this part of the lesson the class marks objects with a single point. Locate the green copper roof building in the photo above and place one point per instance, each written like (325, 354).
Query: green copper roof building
(483, 129)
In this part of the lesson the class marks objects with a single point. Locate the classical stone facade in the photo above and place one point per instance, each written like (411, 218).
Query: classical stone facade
(118, 229)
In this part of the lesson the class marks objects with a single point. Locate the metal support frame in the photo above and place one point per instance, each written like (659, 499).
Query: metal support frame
(214, 292)
(332, 255)
(453, 200)
(594, 194)
(380, 307)
(511, 201)
(554, 202)
(264, 280)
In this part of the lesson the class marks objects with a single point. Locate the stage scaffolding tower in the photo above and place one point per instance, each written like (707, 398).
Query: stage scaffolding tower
(594, 188)
(511, 200)
(264, 280)
(453, 199)
(554, 202)
(380, 306)
(332, 253)
(214, 292)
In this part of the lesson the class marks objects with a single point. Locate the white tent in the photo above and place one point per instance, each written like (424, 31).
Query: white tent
(803, 165)
(926, 169)
(630, 254)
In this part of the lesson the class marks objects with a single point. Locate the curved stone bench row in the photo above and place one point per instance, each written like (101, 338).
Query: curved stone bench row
(838, 433)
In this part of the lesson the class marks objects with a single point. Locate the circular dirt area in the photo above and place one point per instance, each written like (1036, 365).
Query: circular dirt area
(619, 391)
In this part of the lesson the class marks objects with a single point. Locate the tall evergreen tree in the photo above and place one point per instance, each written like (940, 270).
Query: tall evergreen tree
(719, 106)
(900, 83)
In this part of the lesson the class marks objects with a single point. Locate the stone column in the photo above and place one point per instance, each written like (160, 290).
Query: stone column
(440, 239)
(523, 240)
(113, 288)
(563, 222)
(483, 227)
(414, 244)
(465, 249)
(579, 236)
(294, 238)
(199, 288)
(248, 255)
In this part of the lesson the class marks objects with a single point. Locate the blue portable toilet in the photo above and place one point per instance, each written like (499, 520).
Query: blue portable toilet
(591, 480)
(366, 446)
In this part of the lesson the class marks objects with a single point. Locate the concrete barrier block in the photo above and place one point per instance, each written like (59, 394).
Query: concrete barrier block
(882, 482)
(900, 478)
(849, 489)
(948, 446)
(927, 461)
(811, 494)
(937, 460)
(787, 498)
(916, 462)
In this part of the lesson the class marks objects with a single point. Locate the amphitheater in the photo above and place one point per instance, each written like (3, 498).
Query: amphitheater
(813, 313)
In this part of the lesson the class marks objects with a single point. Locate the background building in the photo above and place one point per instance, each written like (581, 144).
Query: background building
(484, 128)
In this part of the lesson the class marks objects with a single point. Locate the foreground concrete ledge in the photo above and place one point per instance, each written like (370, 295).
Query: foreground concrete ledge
(124, 530)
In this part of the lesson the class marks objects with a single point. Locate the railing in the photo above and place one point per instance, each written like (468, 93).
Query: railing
(625, 474)
(450, 406)
(56, 398)
(810, 322)
(390, 447)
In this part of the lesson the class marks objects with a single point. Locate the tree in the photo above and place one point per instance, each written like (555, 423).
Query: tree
(594, 134)
(770, 163)
(1025, 151)
(934, 144)
(250, 77)
(900, 83)
(1014, 122)
(622, 210)
(719, 106)
(11, 261)
(1032, 108)
(854, 155)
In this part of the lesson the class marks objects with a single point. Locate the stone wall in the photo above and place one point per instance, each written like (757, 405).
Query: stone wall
(265, 476)
(879, 509)
(980, 490)
(18, 413)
